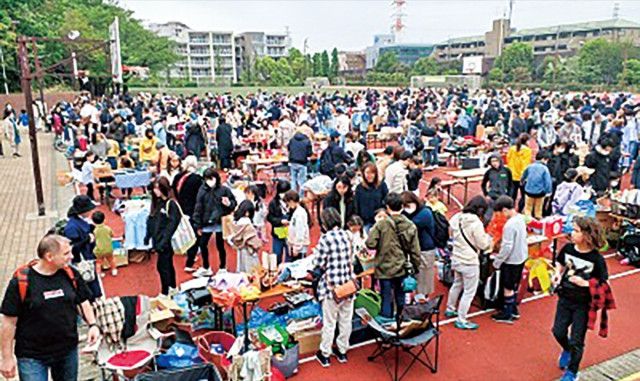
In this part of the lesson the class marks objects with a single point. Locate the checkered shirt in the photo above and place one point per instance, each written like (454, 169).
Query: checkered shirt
(333, 256)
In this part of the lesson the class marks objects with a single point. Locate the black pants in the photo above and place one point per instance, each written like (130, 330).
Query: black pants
(576, 315)
(203, 243)
(193, 251)
(225, 161)
(166, 270)
(90, 191)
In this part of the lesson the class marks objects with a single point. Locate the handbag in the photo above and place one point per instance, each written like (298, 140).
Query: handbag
(184, 237)
(492, 288)
(87, 270)
(347, 289)
(409, 283)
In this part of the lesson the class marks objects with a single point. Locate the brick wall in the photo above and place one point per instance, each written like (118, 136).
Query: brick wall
(17, 99)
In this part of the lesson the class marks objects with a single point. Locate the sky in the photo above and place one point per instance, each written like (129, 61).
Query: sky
(351, 24)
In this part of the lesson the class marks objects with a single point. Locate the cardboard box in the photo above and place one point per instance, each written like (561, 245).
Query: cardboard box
(121, 260)
(309, 341)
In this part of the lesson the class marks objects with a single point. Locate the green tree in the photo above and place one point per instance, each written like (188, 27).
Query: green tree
(425, 66)
(55, 18)
(325, 65)
(334, 67)
(496, 74)
(601, 61)
(317, 65)
(387, 62)
(516, 56)
(631, 73)
(298, 65)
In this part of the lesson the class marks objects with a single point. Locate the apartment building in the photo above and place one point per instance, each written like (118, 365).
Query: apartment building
(252, 45)
(562, 40)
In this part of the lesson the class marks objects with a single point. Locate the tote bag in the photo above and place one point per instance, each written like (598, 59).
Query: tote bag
(184, 236)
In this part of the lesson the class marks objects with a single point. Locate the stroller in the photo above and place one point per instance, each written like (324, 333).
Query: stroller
(630, 246)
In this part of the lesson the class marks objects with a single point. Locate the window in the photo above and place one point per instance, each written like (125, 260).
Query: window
(579, 34)
(562, 47)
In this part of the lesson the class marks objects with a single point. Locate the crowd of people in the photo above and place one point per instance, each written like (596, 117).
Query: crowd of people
(544, 151)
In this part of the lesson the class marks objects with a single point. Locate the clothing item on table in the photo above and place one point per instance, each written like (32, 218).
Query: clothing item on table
(226, 280)
(135, 228)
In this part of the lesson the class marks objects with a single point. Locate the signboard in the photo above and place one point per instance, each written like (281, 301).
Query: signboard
(116, 59)
(472, 65)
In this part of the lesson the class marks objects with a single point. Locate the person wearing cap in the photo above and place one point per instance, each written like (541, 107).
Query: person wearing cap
(79, 231)
(568, 193)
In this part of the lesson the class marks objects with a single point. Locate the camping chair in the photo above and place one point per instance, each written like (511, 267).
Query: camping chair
(425, 318)
(203, 372)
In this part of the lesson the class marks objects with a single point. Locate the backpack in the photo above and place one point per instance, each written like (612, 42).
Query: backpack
(441, 234)
(22, 275)
(327, 165)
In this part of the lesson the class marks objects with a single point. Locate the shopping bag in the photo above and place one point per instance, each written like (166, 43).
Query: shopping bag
(492, 287)
(184, 236)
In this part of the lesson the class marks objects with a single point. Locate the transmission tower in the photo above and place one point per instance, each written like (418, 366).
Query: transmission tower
(398, 25)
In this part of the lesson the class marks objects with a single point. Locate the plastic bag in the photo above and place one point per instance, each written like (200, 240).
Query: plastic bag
(305, 311)
(179, 356)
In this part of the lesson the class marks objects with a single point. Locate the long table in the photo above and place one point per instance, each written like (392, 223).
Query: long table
(466, 175)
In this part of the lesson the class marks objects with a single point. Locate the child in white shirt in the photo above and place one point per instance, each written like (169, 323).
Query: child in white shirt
(298, 238)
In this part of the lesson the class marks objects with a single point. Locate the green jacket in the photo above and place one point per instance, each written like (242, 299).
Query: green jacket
(390, 255)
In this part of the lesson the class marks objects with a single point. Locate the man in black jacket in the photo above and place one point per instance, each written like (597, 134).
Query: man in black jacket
(117, 130)
(497, 180)
(599, 160)
(332, 156)
(300, 151)
(225, 143)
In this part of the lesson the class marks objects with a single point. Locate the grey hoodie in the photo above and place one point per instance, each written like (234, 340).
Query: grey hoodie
(497, 182)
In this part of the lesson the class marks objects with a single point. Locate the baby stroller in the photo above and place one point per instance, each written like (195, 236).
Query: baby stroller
(630, 246)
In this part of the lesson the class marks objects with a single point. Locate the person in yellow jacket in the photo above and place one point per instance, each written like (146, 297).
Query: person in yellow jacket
(148, 150)
(518, 158)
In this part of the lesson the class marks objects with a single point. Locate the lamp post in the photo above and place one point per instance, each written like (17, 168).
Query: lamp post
(26, 76)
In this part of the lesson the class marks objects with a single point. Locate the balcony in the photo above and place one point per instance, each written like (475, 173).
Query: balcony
(205, 62)
(200, 52)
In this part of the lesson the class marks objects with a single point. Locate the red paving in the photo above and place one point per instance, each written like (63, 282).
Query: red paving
(524, 351)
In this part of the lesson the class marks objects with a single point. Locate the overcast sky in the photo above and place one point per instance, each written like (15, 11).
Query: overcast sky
(351, 24)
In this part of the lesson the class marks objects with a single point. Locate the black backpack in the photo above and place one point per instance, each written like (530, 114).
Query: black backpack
(441, 224)
(327, 165)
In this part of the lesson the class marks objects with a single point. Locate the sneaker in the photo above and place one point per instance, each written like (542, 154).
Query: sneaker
(450, 314)
(221, 271)
(516, 313)
(564, 360)
(466, 325)
(502, 317)
(342, 357)
(202, 272)
(420, 298)
(570, 376)
(114, 272)
(324, 361)
(188, 269)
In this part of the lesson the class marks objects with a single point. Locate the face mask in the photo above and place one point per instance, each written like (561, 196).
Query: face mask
(410, 209)
(211, 183)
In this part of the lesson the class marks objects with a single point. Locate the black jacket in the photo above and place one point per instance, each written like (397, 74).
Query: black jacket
(209, 210)
(558, 165)
(188, 192)
(223, 137)
(117, 132)
(333, 201)
(368, 200)
(499, 182)
(194, 139)
(299, 149)
(331, 157)
(162, 225)
(276, 214)
(600, 178)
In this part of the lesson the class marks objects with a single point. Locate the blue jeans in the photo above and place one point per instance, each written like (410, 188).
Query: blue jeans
(387, 286)
(279, 246)
(62, 369)
(298, 177)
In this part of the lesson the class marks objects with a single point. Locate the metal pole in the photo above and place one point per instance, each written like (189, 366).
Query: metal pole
(4, 73)
(25, 82)
(41, 107)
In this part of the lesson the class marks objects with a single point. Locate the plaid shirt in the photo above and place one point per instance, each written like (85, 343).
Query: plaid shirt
(333, 257)
(601, 299)
(110, 319)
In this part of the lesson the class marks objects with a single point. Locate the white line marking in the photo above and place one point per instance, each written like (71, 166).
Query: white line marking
(483, 312)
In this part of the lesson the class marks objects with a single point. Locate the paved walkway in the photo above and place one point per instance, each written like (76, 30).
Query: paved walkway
(625, 367)
(20, 226)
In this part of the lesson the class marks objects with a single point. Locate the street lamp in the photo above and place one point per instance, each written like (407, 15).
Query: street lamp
(26, 76)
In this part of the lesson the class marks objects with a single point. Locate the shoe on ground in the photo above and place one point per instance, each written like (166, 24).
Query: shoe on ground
(570, 376)
(114, 272)
(324, 361)
(221, 271)
(564, 360)
(501, 317)
(341, 357)
(451, 314)
(202, 272)
(466, 325)
(189, 269)
(516, 314)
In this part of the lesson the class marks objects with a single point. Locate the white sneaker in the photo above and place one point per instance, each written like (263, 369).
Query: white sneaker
(114, 272)
(221, 271)
(189, 269)
(202, 272)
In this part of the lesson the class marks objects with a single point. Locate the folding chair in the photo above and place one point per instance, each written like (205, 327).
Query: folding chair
(425, 316)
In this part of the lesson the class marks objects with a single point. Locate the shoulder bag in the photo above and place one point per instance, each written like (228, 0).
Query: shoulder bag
(184, 237)
(409, 283)
(347, 289)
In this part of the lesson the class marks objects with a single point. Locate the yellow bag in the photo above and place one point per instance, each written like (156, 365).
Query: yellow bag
(281, 232)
